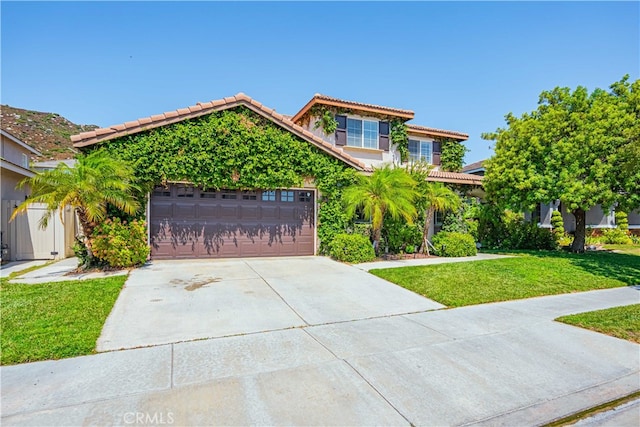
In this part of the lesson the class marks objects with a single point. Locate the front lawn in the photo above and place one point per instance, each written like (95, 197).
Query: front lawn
(626, 249)
(619, 322)
(527, 274)
(54, 320)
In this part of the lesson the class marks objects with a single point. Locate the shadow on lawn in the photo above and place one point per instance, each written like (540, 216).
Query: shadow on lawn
(622, 267)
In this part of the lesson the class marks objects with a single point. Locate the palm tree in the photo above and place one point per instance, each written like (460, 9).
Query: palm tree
(95, 181)
(388, 190)
(435, 198)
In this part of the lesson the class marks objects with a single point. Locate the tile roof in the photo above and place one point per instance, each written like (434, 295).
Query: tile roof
(474, 166)
(336, 102)
(116, 131)
(423, 130)
(454, 177)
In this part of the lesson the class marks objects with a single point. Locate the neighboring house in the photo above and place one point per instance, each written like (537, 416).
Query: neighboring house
(190, 221)
(51, 164)
(596, 217)
(22, 238)
(14, 163)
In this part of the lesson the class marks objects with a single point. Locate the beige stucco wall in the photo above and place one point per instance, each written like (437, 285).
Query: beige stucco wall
(13, 153)
(370, 157)
(8, 187)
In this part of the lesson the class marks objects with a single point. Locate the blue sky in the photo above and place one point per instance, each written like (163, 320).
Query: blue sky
(458, 65)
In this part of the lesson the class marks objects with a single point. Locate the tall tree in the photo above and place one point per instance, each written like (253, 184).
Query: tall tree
(577, 147)
(388, 190)
(432, 197)
(95, 181)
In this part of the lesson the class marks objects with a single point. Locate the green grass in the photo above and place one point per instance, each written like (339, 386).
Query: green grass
(625, 249)
(527, 274)
(54, 320)
(619, 322)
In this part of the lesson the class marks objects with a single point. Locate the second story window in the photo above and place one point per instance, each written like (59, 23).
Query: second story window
(362, 133)
(420, 151)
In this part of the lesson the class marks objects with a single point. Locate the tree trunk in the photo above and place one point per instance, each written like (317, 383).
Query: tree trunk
(377, 233)
(579, 235)
(87, 229)
(425, 231)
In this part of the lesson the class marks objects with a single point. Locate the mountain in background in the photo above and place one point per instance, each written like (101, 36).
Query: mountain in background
(46, 132)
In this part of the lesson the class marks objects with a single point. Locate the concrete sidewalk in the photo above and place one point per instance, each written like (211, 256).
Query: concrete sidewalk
(496, 364)
(60, 271)
(366, 266)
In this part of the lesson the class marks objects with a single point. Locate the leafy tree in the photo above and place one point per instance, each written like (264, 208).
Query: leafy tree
(95, 181)
(432, 197)
(387, 191)
(577, 147)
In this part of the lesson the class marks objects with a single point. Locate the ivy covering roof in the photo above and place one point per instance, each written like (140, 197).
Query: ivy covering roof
(85, 139)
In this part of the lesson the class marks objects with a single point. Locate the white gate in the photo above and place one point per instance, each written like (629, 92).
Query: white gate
(26, 240)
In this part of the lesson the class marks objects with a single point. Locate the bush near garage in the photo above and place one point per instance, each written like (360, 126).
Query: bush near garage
(453, 244)
(352, 248)
(120, 243)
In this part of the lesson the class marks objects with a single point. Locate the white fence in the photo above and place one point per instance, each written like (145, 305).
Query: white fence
(23, 239)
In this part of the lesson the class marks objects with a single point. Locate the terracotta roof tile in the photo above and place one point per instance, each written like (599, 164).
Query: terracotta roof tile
(454, 177)
(372, 108)
(436, 132)
(104, 131)
(132, 127)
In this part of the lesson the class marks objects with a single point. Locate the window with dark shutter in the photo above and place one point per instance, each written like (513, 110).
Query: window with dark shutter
(341, 130)
(383, 138)
(437, 148)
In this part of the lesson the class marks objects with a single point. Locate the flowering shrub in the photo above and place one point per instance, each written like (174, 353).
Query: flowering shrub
(121, 244)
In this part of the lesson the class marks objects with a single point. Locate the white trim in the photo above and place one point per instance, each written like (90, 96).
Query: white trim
(420, 141)
(20, 143)
(362, 120)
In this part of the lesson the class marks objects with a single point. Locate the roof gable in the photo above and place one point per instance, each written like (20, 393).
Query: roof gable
(359, 106)
(427, 131)
(129, 128)
(19, 142)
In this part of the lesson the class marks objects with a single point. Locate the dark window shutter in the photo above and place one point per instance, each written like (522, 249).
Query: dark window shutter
(437, 147)
(383, 127)
(341, 130)
(383, 142)
(436, 158)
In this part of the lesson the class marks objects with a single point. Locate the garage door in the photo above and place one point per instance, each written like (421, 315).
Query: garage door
(192, 222)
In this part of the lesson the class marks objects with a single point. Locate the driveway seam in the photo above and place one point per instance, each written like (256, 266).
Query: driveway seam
(357, 373)
(377, 391)
(276, 292)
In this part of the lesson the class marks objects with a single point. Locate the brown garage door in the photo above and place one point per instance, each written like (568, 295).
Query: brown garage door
(191, 222)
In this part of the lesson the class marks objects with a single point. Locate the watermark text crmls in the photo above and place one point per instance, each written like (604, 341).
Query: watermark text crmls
(145, 418)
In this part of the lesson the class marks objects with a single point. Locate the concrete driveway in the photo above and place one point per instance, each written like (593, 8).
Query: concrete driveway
(389, 361)
(173, 301)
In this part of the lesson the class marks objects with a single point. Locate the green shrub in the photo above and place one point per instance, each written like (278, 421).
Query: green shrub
(362, 228)
(397, 235)
(121, 244)
(622, 221)
(615, 236)
(351, 248)
(500, 229)
(452, 244)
